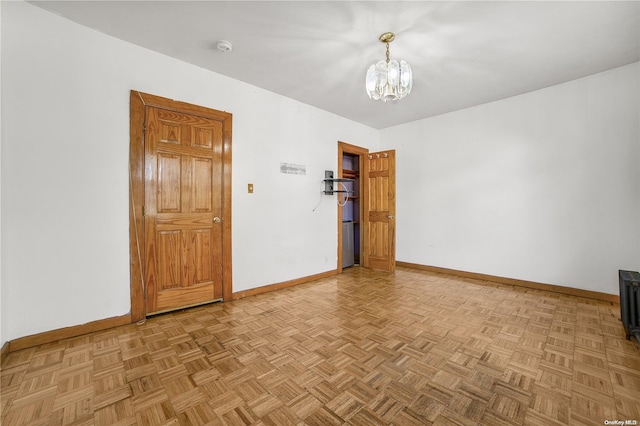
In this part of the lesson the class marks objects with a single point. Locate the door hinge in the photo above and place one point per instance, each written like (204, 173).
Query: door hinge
(144, 211)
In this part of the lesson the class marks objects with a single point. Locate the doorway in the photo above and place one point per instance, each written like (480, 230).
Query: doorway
(351, 206)
(367, 214)
(180, 205)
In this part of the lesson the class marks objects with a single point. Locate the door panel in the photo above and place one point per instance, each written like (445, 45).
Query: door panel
(183, 242)
(201, 194)
(169, 181)
(380, 235)
(169, 245)
(202, 137)
(201, 246)
(169, 132)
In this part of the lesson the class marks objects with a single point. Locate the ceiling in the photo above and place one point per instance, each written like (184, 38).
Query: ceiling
(462, 53)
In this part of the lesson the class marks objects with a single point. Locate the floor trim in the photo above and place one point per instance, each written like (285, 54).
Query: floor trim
(281, 285)
(520, 283)
(67, 332)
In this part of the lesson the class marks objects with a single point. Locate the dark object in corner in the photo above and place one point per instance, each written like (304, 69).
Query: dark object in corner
(630, 303)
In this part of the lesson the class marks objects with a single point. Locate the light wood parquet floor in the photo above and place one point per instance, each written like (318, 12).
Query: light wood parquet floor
(362, 348)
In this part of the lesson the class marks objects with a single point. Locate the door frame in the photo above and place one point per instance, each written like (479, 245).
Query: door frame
(138, 103)
(346, 148)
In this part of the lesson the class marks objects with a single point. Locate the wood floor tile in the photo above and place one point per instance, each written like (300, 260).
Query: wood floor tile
(203, 414)
(361, 348)
(118, 413)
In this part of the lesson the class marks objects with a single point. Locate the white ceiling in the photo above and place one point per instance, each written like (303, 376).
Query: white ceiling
(462, 53)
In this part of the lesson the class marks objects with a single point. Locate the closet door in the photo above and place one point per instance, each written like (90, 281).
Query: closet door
(380, 232)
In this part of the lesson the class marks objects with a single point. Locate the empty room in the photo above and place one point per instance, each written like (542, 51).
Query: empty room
(320, 213)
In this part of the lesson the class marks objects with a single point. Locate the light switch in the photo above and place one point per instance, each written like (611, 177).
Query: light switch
(250, 188)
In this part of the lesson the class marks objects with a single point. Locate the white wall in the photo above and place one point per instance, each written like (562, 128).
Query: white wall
(542, 187)
(65, 141)
(3, 299)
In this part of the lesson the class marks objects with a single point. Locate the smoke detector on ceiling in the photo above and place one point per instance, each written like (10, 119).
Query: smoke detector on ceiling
(224, 46)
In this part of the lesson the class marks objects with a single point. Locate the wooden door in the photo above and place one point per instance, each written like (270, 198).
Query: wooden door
(183, 210)
(380, 234)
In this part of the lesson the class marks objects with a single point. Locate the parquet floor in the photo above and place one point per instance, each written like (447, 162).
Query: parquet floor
(362, 348)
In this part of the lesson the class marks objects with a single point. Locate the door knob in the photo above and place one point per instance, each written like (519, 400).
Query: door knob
(216, 219)
(390, 216)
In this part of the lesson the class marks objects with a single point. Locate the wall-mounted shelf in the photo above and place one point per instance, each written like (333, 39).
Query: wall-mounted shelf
(329, 180)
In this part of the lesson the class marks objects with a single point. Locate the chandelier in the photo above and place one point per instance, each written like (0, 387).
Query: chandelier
(389, 80)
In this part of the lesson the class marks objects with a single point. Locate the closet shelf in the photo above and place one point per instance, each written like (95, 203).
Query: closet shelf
(353, 174)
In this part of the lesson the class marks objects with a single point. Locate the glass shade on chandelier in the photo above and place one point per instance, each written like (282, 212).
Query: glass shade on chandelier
(389, 80)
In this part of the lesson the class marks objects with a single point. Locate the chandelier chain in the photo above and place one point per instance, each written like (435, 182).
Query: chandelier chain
(387, 52)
